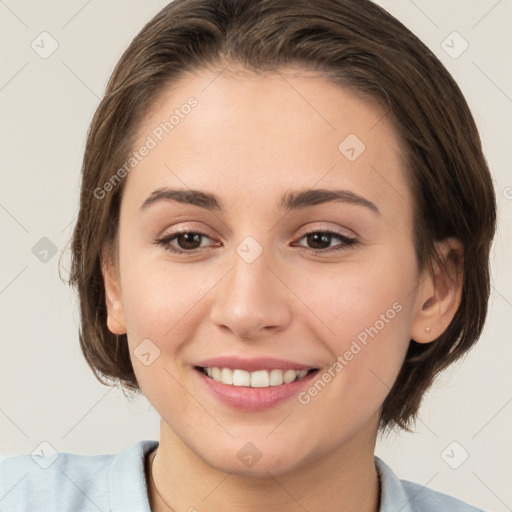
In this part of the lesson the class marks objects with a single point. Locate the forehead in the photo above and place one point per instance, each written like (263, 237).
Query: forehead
(275, 131)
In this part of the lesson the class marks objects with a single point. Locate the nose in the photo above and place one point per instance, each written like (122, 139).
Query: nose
(252, 300)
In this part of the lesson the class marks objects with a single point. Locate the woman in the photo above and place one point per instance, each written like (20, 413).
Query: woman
(283, 238)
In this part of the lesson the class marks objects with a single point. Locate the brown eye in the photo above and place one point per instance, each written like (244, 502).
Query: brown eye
(320, 241)
(184, 241)
(188, 240)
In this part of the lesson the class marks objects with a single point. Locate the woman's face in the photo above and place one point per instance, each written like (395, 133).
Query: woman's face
(262, 287)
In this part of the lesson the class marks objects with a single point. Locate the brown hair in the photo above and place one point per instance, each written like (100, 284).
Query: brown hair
(358, 45)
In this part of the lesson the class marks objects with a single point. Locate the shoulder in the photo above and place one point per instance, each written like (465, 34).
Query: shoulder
(65, 481)
(428, 500)
(412, 497)
(29, 482)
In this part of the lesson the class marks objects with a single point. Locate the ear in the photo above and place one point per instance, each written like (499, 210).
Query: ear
(116, 321)
(440, 294)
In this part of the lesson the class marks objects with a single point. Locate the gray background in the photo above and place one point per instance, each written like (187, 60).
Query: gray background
(47, 392)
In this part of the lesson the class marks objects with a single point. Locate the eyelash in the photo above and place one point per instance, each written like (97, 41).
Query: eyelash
(347, 241)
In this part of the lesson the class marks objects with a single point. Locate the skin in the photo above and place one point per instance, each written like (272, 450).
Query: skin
(289, 303)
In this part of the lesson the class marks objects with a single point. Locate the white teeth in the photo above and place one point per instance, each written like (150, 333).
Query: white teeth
(257, 379)
(216, 374)
(276, 377)
(301, 373)
(260, 379)
(240, 378)
(226, 375)
(289, 376)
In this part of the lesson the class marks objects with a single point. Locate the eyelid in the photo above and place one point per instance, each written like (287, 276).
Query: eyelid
(183, 228)
(338, 230)
(187, 228)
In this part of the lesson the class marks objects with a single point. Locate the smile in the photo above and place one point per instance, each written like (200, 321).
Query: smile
(255, 379)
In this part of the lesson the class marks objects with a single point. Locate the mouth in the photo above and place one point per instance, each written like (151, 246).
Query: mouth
(254, 379)
(252, 384)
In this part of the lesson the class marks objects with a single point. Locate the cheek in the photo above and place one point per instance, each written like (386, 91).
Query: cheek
(158, 294)
(357, 300)
(366, 318)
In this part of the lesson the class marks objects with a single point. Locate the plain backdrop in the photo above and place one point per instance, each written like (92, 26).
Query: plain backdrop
(47, 392)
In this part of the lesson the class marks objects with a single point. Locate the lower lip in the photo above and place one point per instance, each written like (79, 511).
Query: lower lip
(254, 399)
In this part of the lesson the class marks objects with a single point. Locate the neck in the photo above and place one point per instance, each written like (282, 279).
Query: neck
(344, 480)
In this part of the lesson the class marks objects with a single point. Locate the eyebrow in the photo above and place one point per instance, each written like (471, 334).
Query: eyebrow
(289, 201)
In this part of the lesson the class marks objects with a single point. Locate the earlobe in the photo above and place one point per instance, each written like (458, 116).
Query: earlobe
(440, 294)
(116, 321)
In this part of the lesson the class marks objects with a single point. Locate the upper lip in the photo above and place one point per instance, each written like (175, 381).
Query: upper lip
(252, 364)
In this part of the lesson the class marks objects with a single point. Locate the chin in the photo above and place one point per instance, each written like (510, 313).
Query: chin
(245, 459)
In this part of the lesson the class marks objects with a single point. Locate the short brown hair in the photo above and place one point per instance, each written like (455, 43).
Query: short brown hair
(358, 45)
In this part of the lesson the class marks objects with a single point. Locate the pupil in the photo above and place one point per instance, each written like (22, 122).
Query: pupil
(316, 237)
(189, 239)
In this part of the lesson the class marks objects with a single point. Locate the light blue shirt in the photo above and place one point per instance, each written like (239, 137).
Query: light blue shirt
(67, 482)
